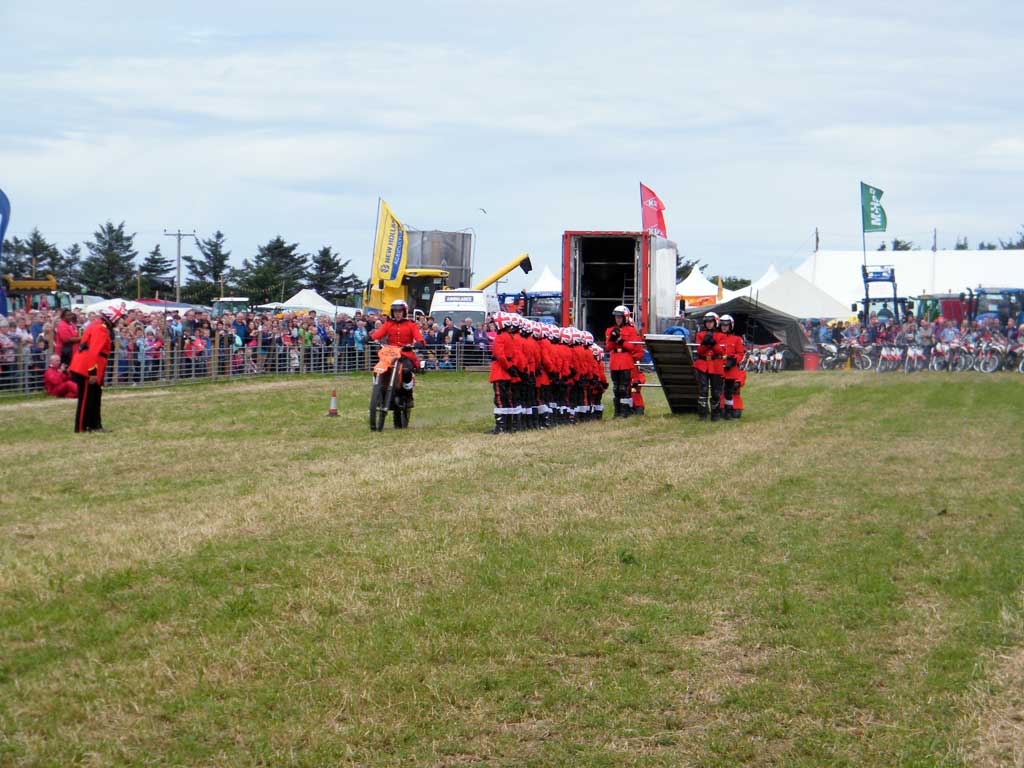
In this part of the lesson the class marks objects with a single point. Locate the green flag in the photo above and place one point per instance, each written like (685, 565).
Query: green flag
(871, 211)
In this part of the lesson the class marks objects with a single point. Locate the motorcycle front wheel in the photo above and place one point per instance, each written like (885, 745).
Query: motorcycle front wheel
(377, 412)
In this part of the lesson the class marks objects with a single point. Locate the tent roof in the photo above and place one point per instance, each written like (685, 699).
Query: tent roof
(769, 277)
(546, 283)
(838, 272)
(96, 306)
(307, 298)
(696, 284)
(795, 296)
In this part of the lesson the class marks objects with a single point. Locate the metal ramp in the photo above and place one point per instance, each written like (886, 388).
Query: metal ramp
(674, 365)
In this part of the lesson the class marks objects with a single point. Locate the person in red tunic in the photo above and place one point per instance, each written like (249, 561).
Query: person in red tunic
(623, 354)
(400, 331)
(709, 368)
(88, 368)
(731, 367)
(502, 362)
(57, 381)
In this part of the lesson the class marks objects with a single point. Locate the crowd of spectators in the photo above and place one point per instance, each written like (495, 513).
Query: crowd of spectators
(161, 345)
(913, 330)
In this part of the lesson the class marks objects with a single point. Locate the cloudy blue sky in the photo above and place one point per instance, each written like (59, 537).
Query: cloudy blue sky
(754, 122)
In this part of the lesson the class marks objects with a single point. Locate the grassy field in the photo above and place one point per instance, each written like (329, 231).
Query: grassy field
(233, 579)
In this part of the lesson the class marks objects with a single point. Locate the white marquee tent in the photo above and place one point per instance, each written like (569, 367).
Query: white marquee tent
(97, 306)
(308, 299)
(795, 296)
(752, 290)
(546, 282)
(838, 272)
(696, 284)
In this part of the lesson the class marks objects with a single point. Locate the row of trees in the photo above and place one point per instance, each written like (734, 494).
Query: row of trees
(110, 266)
(1014, 243)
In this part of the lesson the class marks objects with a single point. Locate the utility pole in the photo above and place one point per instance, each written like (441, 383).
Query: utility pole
(817, 240)
(178, 235)
(221, 281)
(138, 283)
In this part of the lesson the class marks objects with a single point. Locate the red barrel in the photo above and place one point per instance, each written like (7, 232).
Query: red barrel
(811, 361)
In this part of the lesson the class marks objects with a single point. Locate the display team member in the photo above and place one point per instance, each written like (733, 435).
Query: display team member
(89, 366)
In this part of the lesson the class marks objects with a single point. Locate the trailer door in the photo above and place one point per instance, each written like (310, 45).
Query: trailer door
(661, 286)
(576, 313)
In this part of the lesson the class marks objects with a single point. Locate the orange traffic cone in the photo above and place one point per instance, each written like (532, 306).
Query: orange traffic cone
(334, 403)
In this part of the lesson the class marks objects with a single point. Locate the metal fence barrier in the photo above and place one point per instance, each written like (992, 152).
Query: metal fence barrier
(167, 363)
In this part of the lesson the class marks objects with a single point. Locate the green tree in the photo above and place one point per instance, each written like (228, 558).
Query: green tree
(69, 277)
(109, 269)
(156, 271)
(983, 246)
(40, 253)
(207, 270)
(961, 244)
(275, 273)
(1014, 244)
(15, 261)
(328, 278)
(685, 266)
(902, 245)
(731, 282)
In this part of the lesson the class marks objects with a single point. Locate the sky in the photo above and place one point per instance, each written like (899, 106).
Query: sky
(754, 122)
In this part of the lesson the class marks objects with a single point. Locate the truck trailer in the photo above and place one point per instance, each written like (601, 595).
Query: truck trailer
(601, 270)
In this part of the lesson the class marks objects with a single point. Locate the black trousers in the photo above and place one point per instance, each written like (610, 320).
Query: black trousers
(621, 390)
(730, 389)
(87, 414)
(709, 391)
(502, 398)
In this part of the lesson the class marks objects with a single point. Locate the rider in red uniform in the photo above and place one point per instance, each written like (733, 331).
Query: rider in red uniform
(89, 368)
(708, 364)
(731, 368)
(502, 362)
(623, 355)
(402, 332)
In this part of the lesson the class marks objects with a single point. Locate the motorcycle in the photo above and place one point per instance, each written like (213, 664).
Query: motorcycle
(387, 393)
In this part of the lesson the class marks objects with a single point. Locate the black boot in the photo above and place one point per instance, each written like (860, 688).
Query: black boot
(499, 425)
(736, 414)
(639, 410)
(716, 415)
(702, 414)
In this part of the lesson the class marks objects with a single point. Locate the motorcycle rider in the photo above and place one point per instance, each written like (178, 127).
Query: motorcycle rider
(731, 373)
(400, 331)
(708, 365)
(622, 357)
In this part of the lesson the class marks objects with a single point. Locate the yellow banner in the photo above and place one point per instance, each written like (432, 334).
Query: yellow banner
(389, 250)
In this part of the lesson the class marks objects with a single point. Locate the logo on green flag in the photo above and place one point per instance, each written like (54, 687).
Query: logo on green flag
(871, 210)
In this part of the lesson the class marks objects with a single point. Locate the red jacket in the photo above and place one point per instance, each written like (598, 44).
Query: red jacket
(400, 334)
(502, 357)
(709, 359)
(548, 364)
(622, 355)
(91, 353)
(518, 355)
(53, 379)
(531, 349)
(733, 350)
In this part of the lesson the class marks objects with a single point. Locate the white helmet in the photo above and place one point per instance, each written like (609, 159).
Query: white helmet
(622, 309)
(398, 304)
(726, 319)
(712, 316)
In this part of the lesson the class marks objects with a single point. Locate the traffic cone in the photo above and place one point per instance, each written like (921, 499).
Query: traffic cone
(334, 403)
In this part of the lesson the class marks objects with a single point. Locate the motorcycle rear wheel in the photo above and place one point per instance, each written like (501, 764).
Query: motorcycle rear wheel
(988, 363)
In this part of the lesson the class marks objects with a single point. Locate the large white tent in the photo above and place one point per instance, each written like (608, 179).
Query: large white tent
(308, 299)
(838, 273)
(129, 305)
(696, 284)
(546, 282)
(795, 296)
(770, 276)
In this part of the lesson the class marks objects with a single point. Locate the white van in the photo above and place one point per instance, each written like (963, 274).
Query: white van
(458, 304)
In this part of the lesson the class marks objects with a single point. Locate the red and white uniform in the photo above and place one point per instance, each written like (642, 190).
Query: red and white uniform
(622, 353)
(709, 359)
(732, 347)
(400, 333)
(502, 358)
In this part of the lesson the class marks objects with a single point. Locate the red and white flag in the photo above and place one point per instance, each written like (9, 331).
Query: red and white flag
(651, 209)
